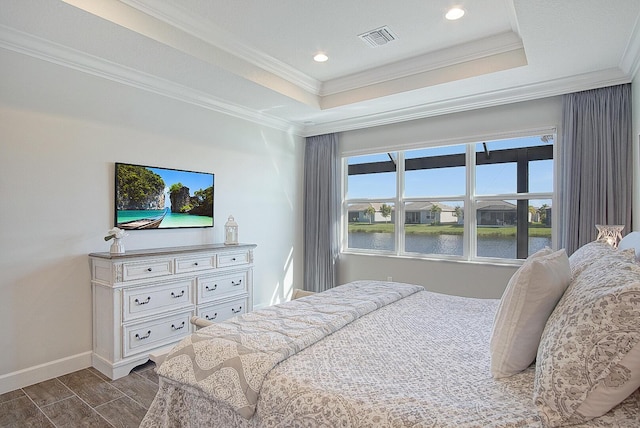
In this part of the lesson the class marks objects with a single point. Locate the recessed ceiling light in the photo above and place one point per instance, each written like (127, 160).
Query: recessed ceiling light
(454, 13)
(320, 57)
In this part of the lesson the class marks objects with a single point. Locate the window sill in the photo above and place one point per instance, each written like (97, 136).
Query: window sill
(432, 258)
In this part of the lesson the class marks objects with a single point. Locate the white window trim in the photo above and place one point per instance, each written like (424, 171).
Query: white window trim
(470, 198)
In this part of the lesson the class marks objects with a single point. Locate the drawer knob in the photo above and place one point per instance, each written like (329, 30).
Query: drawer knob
(177, 328)
(149, 269)
(211, 289)
(195, 263)
(177, 296)
(211, 317)
(146, 336)
(233, 259)
(236, 311)
(236, 283)
(138, 302)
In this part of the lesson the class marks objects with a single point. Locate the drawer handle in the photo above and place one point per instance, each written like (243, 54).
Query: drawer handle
(177, 328)
(195, 263)
(177, 296)
(143, 337)
(149, 269)
(233, 259)
(236, 283)
(211, 289)
(211, 318)
(236, 311)
(138, 302)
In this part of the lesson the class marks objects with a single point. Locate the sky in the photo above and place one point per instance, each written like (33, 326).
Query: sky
(193, 180)
(490, 179)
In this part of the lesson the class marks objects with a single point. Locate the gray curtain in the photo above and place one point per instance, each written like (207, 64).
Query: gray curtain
(596, 163)
(321, 211)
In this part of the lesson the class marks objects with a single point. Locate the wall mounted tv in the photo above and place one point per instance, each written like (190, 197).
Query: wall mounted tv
(148, 197)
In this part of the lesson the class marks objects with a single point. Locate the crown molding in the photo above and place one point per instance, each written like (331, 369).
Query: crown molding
(491, 46)
(46, 50)
(177, 17)
(529, 92)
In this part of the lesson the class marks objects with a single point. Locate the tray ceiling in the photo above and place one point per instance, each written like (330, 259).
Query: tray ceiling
(255, 59)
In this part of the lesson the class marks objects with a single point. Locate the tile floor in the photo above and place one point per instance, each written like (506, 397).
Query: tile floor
(85, 398)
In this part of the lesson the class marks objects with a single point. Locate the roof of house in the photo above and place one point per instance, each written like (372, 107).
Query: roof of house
(495, 206)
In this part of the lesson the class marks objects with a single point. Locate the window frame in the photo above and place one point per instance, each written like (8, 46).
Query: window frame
(470, 199)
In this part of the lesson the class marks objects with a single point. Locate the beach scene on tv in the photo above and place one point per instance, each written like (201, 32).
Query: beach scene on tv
(159, 198)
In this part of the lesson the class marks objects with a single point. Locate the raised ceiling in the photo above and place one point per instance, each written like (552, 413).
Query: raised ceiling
(254, 59)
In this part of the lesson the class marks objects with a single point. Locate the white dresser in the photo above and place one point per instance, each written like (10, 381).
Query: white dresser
(143, 299)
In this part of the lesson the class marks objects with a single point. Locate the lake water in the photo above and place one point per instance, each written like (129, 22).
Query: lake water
(170, 220)
(445, 244)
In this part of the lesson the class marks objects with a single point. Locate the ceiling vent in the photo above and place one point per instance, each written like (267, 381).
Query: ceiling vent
(378, 37)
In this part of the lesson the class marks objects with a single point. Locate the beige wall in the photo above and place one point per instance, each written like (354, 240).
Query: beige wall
(460, 278)
(61, 132)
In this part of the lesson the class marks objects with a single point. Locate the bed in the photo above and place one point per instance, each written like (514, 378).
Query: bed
(386, 354)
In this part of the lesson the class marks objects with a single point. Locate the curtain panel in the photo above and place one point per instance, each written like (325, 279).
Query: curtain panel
(321, 212)
(596, 163)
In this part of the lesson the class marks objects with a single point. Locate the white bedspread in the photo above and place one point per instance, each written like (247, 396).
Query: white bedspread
(422, 361)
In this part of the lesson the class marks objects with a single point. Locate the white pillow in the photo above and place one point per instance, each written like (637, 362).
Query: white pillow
(530, 297)
(631, 240)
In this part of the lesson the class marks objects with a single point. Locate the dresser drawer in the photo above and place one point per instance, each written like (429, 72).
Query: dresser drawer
(224, 311)
(233, 259)
(151, 334)
(194, 264)
(149, 300)
(148, 269)
(219, 286)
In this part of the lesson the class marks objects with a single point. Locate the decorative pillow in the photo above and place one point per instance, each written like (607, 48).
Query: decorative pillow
(584, 256)
(532, 293)
(589, 355)
(631, 240)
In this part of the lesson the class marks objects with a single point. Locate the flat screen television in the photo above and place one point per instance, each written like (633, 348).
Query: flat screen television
(148, 197)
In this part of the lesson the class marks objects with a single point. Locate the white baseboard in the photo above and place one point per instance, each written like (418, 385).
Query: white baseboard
(42, 372)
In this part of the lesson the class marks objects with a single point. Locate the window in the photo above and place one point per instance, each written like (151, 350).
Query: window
(481, 200)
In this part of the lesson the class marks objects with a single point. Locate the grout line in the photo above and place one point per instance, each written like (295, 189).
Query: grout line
(38, 407)
(54, 402)
(138, 378)
(85, 402)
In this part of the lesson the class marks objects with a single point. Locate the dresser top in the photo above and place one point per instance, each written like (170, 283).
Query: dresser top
(170, 250)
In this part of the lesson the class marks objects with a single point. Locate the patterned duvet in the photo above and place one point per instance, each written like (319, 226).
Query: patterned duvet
(421, 360)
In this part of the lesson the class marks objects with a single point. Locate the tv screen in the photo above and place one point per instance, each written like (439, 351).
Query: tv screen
(149, 197)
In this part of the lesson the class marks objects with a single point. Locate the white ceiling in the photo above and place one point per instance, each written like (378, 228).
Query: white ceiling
(253, 59)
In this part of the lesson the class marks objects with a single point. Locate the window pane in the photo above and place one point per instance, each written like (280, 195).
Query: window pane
(496, 179)
(435, 172)
(372, 176)
(496, 225)
(434, 227)
(539, 224)
(497, 165)
(541, 176)
(371, 226)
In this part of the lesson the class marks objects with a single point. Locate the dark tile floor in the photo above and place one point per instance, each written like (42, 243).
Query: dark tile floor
(85, 398)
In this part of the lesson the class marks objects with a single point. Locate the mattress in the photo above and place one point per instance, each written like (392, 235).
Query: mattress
(420, 361)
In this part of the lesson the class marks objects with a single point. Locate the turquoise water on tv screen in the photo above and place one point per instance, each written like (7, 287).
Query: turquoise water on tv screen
(170, 220)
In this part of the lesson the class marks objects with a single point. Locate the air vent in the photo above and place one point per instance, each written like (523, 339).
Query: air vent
(378, 37)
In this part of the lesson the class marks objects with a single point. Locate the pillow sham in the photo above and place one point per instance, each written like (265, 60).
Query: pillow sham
(631, 240)
(584, 256)
(589, 355)
(531, 295)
